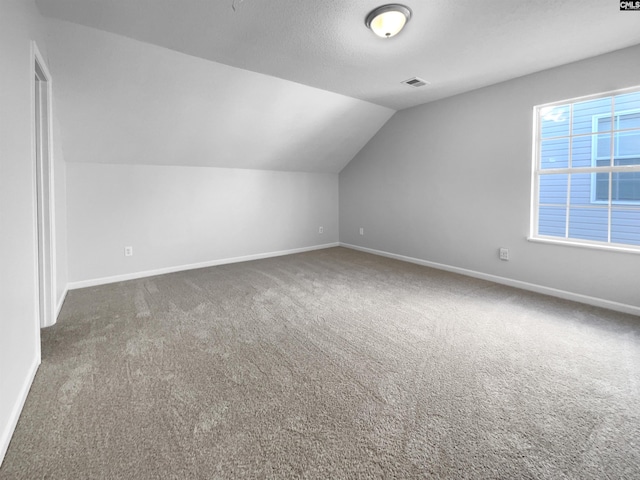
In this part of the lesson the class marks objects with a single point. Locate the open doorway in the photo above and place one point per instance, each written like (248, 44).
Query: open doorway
(43, 169)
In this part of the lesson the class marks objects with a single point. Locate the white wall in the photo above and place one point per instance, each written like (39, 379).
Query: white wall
(178, 216)
(60, 207)
(20, 23)
(449, 182)
(190, 161)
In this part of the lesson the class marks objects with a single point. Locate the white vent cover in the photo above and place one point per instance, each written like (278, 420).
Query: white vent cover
(416, 82)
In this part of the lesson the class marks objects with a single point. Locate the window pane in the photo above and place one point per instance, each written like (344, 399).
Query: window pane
(627, 101)
(625, 226)
(555, 153)
(601, 187)
(603, 124)
(581, 152)
(628, 120)
(603, 153)
(584, 113)
(626, 187)
(628, 145)
(589, 223)
(554, 121)
(581, 188)
(553, 189)
(552, 221)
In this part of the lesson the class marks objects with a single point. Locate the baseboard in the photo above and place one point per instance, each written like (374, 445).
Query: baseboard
(554, 292)
(5, 437)
(60, 303)
(179, 268)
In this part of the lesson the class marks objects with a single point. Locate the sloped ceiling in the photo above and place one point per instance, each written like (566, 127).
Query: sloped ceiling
(123, 101)
(457, 45)
(288, 84)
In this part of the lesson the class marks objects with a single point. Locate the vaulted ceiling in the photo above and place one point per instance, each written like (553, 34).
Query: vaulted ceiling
(288, 84)
(456, 45)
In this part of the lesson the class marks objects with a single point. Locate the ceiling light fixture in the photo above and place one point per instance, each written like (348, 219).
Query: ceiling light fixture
(388, 20)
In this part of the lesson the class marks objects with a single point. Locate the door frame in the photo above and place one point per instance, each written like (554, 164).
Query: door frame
(43, 189)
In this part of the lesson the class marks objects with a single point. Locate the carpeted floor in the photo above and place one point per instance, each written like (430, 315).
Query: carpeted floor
(330, 364)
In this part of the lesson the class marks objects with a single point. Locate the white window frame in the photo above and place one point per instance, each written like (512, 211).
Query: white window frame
(537, 171)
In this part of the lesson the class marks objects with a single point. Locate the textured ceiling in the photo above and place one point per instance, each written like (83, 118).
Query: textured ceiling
(456, 45)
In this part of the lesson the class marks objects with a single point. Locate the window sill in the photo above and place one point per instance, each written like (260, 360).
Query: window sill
(585, 244)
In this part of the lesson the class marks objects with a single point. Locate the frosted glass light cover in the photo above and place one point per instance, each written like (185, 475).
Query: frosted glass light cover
(388, 24)
(388, 20)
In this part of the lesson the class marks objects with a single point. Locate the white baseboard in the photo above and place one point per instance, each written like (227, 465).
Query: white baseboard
(179, 268)
(60, 302)
(5, 437)
(554, 292)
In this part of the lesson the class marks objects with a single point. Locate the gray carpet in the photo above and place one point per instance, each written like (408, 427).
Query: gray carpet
(330, 364)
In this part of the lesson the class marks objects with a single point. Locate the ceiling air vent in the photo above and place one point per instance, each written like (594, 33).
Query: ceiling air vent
(416, 82)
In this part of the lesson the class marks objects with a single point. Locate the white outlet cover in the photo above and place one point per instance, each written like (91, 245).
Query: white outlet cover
(320, 229)
(128, 251)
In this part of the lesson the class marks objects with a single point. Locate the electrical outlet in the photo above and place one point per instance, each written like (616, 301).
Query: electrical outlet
(128, 251)
(361, 230)
(504, 254)
(320, 229)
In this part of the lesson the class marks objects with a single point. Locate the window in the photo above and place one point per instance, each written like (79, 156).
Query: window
(586, 175)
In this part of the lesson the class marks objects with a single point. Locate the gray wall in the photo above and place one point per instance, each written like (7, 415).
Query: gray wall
(20, 23)
(449, 182)
(178, 216)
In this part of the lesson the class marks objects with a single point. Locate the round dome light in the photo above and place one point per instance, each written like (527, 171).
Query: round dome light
(388, 20)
